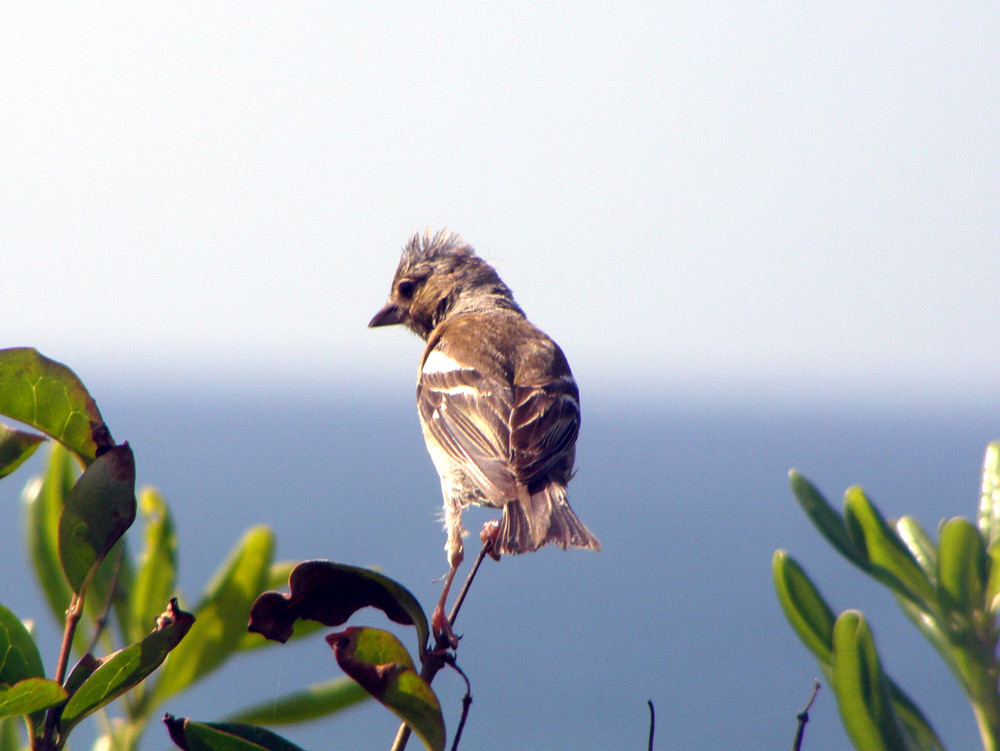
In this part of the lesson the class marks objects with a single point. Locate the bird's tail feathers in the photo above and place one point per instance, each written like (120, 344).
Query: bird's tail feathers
(543, 517)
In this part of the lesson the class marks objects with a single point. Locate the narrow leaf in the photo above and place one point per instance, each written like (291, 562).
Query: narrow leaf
(155, 580)
(224, 736)
(804, 607)
(921, 546)
(962, 567)
(379, 662)
(830, 523)
(331, 593)
(29, 696)
(43, 503)
(48, 396)
(989, 498)
(222, 614)
(15, 447)
(861, 687)
(891, 560)
(317, 701)
(124, 669)
(98, 510)
(919, 733)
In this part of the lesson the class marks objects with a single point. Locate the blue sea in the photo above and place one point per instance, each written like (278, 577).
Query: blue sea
(563, 649)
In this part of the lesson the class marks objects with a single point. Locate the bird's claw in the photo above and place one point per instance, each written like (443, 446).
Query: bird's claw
(444, 637)
(489, 535)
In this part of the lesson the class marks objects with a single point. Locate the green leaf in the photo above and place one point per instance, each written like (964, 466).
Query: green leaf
(331, 593)
(98, 510)
(155, 581)
(43, 503)
(804, 607)
(48, 396)
(892, 563)
(224, 736)
(222, 614)
(919, 734)
(9, 737)
(962, 567)
(380, 663)
(861, 687)
(830, 524)
(921, 546)
(317, 701)
(29, 696)
(19, 656)
(15, 447)
(989, 498)
(124, 669)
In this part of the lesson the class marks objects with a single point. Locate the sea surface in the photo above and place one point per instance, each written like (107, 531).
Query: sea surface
(563, 649)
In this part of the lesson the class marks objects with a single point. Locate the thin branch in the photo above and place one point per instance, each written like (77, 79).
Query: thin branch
(466, 703)
(434, 662)
(803, 718)
(652, 722)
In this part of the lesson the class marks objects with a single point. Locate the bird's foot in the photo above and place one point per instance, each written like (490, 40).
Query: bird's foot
(444, 637)
(489, 536)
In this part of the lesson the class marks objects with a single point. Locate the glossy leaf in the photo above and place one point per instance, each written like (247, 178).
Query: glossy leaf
(989, 497)
(222, 614)
(15, 447)
(98, 510)
(962, 566)
(317, 701)
(29, 696)
(891, 560)
(804, 607)
(224, 736)
(124, 669)
(921, 546)
(378, 661)
(43, 504)
(155, 579)
(830, 523)
(48, 396)
(331, 593)
(861, 687)
(19, 656)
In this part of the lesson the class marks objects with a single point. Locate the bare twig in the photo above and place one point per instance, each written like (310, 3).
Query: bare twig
(803, 718)
(466, 703)
(652, 722)
(434, 661)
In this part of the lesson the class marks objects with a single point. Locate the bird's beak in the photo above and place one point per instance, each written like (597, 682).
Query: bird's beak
(389, 315)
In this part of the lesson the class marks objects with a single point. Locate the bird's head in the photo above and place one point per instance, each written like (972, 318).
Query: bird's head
(439, 275)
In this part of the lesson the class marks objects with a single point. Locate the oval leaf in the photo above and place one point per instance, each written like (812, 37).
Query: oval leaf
(861, 687)
(317, 701)
(962, 567)
(804, 607)
(331, 593)
(224, 736)
(124, 669)
(98, 510)
(379, 662)
(222, 614)
(29, 696)
(48, 396)
(19, 656)
(15, 447)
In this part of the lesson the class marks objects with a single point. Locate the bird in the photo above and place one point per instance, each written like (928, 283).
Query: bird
(498, 405)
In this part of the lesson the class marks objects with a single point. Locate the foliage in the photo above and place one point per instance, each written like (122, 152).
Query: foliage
(950, 591)
(77, 514)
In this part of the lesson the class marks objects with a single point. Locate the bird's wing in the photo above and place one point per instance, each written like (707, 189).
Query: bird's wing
(466, 414)
(543, 429)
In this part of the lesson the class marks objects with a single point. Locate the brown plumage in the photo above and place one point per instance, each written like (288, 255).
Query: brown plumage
(497, 401)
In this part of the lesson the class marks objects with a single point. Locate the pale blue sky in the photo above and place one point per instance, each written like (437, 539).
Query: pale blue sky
(730, 196)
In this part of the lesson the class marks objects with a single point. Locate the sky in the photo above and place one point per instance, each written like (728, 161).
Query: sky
(717, 198)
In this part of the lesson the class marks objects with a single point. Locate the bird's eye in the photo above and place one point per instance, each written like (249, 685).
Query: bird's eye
(406, 287)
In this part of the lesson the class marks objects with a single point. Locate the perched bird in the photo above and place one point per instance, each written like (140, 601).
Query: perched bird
(498, 405)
